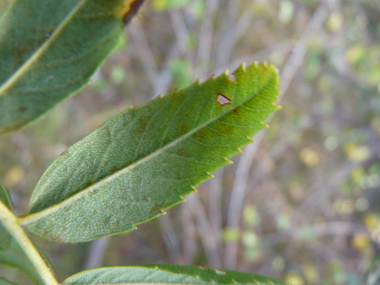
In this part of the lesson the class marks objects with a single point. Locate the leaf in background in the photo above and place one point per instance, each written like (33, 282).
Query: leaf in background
(5, 238)
(145, 160)
(166, 5)
(167, 274)
(16, 258)
(49, 49)
(6, 282)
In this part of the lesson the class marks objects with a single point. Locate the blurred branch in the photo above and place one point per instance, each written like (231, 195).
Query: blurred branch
(205, 230)
(299, 51)
(144, 50)
(205, 38)
(222, 54)
(164, 77)
(170, 238)
(282, 47)
(181, 33)
(233, 37)
(190, 245)
(96, 252)
(215, 197)
(245, 163)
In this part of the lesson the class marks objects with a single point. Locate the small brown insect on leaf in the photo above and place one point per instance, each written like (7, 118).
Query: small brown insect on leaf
(223, 100)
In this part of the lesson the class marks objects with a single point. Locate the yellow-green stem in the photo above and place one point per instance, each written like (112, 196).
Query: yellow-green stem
(9, 221)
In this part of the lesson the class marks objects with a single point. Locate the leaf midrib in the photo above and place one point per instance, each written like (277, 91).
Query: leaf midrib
(31, 217)
(39, 52)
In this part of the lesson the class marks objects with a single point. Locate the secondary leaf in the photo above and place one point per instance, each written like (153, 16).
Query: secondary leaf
(167, 274)
(49, 49)
(5, 238)
(16, 258)
(6, 282)
(145, 160)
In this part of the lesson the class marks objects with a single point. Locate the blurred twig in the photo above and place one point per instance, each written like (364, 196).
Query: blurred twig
(215, 197)
(222, 53)
(182, 34)
(283, 47)
(164, 77)
(205, 38)
(190, 245)
(170, 238)
(96, 253)
(205, 230)
(144, 50)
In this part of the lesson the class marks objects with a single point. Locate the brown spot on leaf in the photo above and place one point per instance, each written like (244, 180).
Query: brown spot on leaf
(22, 108)
(237, 111)
(183, 129)
(223, 100)
(225, 129)
(181, 152)
(201, 134)
(143, 121)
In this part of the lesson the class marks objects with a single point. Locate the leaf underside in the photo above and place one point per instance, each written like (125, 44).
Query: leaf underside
(145, 160)
(167, 274)
(49, 49)
(5, 238)
(6, 282)
(16, 258)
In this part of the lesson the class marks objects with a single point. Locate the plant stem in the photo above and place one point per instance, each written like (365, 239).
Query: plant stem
(9, 221)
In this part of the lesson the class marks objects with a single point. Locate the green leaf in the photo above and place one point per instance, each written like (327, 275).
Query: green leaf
(16, 258)
(167, 274)
(145, 160)
(50, 49)
(6, 282)
(5, 238)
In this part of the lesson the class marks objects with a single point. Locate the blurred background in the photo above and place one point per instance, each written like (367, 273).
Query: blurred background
(303, 203)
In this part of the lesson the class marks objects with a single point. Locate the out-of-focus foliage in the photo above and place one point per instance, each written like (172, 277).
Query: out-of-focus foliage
(311, 209)
(36, 72)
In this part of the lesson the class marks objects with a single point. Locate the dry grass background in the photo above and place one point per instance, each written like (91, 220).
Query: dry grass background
(302, 204)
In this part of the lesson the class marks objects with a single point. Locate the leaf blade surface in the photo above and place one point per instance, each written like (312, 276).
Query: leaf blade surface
(167, 274)
(145, 160)
(50, 49)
